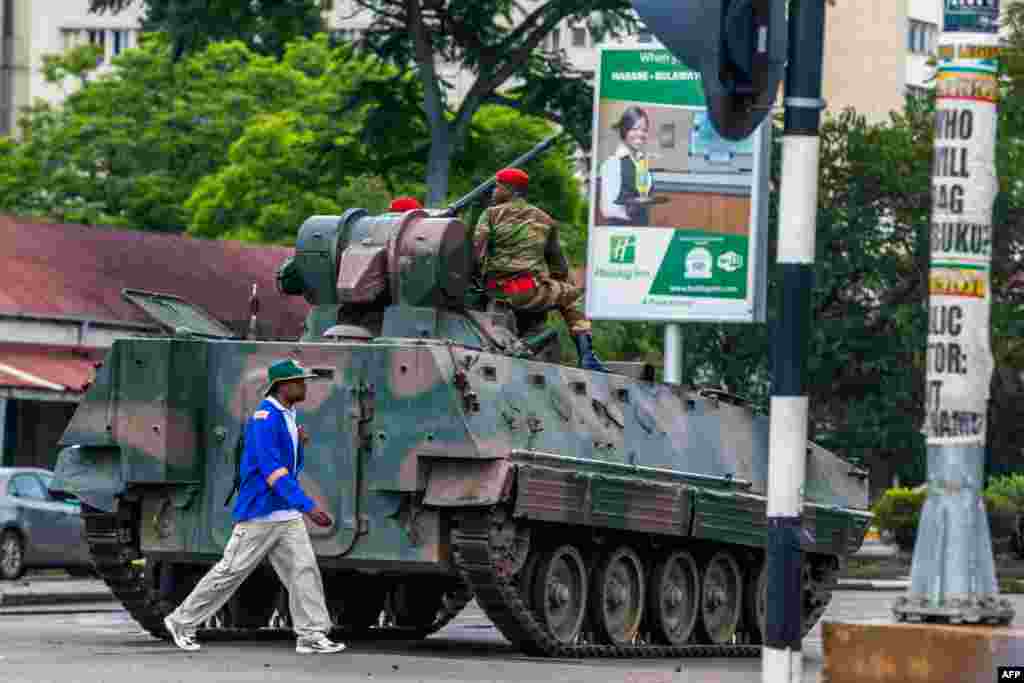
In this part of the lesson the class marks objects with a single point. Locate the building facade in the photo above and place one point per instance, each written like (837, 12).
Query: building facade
(69, 308)
(30, 29)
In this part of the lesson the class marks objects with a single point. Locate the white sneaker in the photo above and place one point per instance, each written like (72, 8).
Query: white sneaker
(181, 638)
(321, 645)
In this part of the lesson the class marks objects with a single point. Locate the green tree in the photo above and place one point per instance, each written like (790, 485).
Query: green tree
(496, 41)
(78, 62)
(500, 44)
(499, 135)
(130, 147)
(277, 175)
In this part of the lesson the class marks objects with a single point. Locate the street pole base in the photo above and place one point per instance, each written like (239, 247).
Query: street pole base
(997, 611)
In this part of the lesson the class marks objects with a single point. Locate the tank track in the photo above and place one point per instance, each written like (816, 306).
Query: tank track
(114, 556)
(479, 561)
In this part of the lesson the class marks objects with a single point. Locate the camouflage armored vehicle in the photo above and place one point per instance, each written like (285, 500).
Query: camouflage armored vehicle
(588, 513)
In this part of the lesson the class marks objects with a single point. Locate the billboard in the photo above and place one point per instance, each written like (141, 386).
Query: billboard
(970, 16)
(678, 214)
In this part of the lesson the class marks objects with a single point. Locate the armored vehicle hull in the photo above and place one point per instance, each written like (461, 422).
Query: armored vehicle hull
(589, 514)
(567, 501)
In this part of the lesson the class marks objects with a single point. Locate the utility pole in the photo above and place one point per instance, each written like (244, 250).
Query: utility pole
(782, 657)
(953, 572)
(673, 371)
(740, 47)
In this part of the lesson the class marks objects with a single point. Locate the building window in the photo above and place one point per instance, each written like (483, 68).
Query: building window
(98, 37)
(69, 38)
(579, 36)
(120, 42)
(921, 37)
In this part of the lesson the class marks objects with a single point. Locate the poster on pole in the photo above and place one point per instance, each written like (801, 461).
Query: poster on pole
(964, 188)
(970, 16)
(678, 214)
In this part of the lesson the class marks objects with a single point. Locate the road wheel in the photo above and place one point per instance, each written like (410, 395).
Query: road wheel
(674, 599)
(755, 604)
(617, 598)
(721, 599)
(12, 556)
(560, 593)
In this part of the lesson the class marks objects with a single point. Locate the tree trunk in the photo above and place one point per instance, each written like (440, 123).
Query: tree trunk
(439, 162)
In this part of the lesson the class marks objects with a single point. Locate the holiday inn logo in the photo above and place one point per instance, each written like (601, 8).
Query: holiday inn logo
(623, 249)
(621, 260)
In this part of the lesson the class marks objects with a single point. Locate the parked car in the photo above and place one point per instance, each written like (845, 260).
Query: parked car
(37, 529)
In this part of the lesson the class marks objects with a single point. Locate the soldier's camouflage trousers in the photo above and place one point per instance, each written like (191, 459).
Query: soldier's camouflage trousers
(549, 294)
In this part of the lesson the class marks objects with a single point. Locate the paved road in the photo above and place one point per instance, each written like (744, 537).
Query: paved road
(100, 644)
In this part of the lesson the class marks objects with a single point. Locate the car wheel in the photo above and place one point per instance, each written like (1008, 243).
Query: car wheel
(12, 556)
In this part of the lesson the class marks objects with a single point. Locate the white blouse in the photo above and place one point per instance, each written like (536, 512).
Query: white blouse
(611, 182)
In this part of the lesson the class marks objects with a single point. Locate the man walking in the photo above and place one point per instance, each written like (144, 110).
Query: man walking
(522, 262)
(268, 523)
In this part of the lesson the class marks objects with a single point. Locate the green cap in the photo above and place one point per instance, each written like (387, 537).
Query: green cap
(284, 370)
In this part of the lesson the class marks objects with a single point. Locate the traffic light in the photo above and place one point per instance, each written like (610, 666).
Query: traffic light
(738, 46)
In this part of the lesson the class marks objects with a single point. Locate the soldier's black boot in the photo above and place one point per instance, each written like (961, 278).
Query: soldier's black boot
(585, 349)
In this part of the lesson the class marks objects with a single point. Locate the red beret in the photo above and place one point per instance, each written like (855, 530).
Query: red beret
(512, 176)
(405, 204)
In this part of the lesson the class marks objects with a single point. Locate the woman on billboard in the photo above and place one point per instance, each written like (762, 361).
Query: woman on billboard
(626, 180)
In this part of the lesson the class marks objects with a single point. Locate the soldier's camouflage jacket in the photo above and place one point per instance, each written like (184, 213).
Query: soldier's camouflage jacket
(516, 237)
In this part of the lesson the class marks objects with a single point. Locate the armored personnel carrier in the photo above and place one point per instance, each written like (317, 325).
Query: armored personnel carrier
(589, 514)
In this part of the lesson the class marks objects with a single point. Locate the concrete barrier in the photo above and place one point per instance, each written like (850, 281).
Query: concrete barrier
(918, 653)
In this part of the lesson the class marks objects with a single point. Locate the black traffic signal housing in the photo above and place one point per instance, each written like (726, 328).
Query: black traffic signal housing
(738, 46)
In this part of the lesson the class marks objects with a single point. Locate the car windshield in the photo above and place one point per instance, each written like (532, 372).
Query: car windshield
(29, 487)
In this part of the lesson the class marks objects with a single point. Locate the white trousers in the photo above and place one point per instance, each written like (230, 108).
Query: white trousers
(291, 554)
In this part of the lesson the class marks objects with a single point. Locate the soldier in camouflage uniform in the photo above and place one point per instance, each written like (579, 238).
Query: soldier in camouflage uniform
(521, 261)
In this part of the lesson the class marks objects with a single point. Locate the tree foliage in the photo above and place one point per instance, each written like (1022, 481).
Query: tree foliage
(265, 26)
(129, 148)
(499, 43)
(228, 142)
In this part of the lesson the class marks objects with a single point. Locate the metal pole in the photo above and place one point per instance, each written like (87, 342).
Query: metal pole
(952, 576)
(673, 373)
(782, 658)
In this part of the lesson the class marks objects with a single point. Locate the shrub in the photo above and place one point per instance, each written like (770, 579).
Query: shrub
(1002, 516)
(1010, 486)
(898, 512)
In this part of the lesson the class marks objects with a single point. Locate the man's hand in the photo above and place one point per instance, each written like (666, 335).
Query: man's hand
(320, 518)
(303, 436)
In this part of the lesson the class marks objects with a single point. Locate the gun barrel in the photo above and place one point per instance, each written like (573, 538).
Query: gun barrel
(485, 186)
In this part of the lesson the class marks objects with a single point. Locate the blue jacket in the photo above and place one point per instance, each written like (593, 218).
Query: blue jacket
(268, 446)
